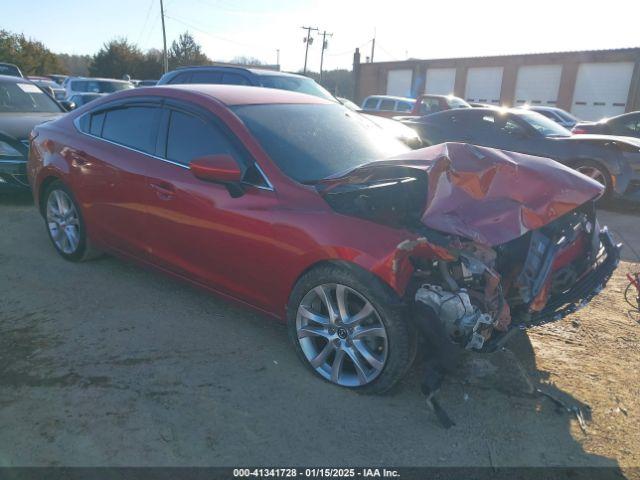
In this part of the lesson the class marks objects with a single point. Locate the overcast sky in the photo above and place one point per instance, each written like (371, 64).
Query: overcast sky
(403, 28)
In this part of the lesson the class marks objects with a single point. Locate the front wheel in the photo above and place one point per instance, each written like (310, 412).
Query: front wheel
(349, 330)
(598, 173)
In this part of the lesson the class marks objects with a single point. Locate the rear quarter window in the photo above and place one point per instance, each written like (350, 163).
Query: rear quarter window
(389, 105)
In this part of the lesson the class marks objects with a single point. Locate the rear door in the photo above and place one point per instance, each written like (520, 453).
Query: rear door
(109, 170)
(196, 229)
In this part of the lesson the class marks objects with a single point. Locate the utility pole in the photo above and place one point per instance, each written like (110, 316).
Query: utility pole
(278, 57)
(373, 45)
(325, 34)
(164, 40)
(308, 40)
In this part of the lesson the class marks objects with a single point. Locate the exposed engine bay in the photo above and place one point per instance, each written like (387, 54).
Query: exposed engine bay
(486, 291)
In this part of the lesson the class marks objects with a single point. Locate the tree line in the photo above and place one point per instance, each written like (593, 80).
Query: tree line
(119, 57)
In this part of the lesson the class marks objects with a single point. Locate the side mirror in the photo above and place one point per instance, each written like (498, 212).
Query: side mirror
(220, 168)
(68, 105)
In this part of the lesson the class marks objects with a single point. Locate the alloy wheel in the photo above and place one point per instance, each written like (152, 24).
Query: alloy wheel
(594, 173)
(63, 222)
(341, 335)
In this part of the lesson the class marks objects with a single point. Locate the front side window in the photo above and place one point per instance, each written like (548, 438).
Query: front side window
(25, 98)
(132, 126)
(310, 142)
(429, 105)
(404, 107)
(370, 104)
(388, 105)
(190, 137)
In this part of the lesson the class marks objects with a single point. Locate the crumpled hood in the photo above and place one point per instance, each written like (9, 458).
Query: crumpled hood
(487, 195)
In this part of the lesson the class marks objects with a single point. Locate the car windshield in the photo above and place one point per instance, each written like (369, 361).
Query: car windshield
(455, 102)
(296, 84)
(310, 142)
(566, 116)
(545, 126)
(99, 86)
(25, 97)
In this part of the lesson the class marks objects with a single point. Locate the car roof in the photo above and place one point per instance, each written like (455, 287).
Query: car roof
(541, 108)
(232, 95)
(99, 79)
(255, 71)
(392, 97)
(11, 78)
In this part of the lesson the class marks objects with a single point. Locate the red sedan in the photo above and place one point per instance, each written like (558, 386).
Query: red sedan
(283, 202)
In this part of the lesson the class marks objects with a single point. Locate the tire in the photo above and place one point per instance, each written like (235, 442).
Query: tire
(384, 359)
(598, 172)
(58, 198)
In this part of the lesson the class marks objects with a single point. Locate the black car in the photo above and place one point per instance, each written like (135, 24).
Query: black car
(22, 106)
(627, 125)
(613, 161)
(257, 77)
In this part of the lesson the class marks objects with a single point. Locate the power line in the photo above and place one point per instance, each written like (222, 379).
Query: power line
(146, 20)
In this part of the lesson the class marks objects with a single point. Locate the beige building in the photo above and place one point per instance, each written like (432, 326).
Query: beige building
(590, 84)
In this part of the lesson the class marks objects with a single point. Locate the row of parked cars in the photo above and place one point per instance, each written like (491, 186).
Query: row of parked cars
(607, 151)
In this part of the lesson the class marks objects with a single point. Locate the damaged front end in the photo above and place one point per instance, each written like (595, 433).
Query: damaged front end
(499, 241)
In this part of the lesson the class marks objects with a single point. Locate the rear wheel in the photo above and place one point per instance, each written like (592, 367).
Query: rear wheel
(349, 330)
(65, 224)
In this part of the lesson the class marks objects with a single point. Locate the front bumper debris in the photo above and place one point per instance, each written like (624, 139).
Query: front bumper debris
(578, 296)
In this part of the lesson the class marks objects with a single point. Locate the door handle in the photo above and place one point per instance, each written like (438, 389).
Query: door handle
(164, 190)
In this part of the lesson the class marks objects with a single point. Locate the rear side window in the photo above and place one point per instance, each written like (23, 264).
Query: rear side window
(190, 137)
(370, 104)
(404, 107)
(206, 77)
(387, 105)
(234, 79)
(132, 126)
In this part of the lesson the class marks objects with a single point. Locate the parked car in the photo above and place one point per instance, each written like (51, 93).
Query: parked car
(285, 202)
(10, 69)
(257, 77)
(59, 79)
(51, 87)
(23, 105)
(403, 133)
(147, 83)
(80, 99)
(612, 161)
(558, 115)
(387, 106)
(627, 124)
(75, 85)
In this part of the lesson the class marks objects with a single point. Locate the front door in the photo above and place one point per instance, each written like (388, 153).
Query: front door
(196, 228)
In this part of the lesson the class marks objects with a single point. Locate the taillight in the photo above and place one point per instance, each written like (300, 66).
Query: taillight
(578, 130)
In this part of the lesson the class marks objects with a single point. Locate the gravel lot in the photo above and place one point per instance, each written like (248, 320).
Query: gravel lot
(104, 363)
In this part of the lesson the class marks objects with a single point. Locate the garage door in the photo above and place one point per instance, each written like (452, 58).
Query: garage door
(440, 81)
(399, 82)
(601, 89)
(538, 84)
(484, 85)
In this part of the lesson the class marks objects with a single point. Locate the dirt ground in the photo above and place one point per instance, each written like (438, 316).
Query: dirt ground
(103, 363)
